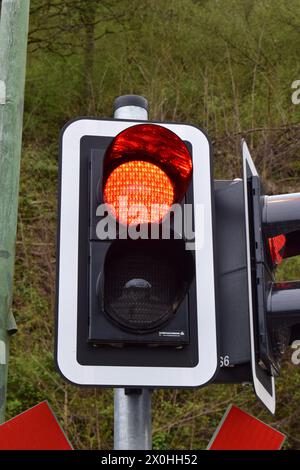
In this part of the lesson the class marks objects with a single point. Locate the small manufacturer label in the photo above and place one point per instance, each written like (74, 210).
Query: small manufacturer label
(171, 333)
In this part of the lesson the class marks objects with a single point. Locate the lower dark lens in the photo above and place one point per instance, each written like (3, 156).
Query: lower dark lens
(145, 281)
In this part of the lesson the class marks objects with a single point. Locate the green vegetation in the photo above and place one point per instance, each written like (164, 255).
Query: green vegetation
(224, 65)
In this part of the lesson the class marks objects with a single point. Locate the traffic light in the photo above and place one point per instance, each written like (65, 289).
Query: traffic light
(272, 233)
(136, 303)
(259, 317)
(166, 277)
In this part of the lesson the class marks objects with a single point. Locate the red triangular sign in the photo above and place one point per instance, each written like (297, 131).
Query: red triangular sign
(35, 429)
(240, 431)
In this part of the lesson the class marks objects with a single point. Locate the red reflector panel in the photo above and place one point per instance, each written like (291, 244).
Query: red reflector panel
(150, 166)
(240, 431)
(277, 245)
(35, 429)
(139, 192)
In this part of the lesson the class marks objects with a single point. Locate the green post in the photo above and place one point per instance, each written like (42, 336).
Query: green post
(13, 46)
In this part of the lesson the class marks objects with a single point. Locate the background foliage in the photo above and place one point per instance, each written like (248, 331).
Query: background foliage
(225, 65)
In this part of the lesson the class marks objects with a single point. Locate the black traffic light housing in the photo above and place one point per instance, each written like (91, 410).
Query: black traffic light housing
(113, 264)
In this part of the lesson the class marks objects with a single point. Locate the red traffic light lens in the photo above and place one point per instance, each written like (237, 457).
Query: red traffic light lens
(277, 246)
(147, 168)
(148, 191)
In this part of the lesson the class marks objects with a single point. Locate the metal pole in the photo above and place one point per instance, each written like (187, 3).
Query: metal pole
(13, 46)
(132, 412)
(132, 419)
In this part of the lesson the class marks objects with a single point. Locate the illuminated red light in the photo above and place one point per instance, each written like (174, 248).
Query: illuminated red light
(147, 168)
(277, 245)
(139, 192)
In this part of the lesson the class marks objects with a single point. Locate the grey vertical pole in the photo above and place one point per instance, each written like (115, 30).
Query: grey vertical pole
(132, 408)
(132, 419)
(13, 46)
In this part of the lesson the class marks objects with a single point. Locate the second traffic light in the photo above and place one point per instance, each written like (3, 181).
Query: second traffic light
(259, 317)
